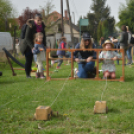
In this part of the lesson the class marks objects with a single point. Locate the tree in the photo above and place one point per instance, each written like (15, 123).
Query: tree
(6, 12)
(27, 14)
(126, 15)
(99, 14)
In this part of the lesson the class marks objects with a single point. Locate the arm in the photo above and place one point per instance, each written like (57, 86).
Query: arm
(36, 49)
(27, 37)
(122, 38)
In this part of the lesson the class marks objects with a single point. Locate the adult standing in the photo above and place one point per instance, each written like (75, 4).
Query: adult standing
(116, 45)
(101, 41)
(124, 40)
(33, 26)
(129, 56)
(84, 60)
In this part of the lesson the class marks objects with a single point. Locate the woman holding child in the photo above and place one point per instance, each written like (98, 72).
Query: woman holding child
(34, 26)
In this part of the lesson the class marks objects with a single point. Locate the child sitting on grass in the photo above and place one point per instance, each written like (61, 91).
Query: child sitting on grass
(39, 49)
(108, 58)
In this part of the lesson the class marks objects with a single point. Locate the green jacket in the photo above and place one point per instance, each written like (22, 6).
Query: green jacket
(28, 41)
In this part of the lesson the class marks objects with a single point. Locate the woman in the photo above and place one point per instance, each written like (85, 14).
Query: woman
(129, 56)
(124, 40)
(116, 45)
(33, 26)
(84, 60)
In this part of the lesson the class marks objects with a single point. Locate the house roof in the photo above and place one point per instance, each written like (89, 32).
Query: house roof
(54, 16)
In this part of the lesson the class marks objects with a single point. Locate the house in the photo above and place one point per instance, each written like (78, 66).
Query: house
(55, 29)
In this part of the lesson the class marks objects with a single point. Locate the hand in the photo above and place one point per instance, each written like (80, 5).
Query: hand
(33, 49)
(89, 59)
(115, 58)
(77, 60)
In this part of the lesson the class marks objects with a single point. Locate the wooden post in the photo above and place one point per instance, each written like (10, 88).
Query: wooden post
(70, 22)
(72, 65)
(47, 64)
(97, 66)
(122, 79)
(14, 74)
(62, 17)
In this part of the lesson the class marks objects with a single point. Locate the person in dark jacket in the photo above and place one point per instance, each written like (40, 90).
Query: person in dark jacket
(84, 59)
(124, 40)
(33, 26)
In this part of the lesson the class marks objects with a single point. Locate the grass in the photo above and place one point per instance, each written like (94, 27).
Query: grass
(19, 97)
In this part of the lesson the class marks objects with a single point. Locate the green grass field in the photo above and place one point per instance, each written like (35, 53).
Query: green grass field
(19, 98)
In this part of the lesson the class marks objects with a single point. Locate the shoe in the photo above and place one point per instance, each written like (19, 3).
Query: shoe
(57, 67)
(129, 64)
(37, 75)
(42, 76)
(28, 76)
(75, 72)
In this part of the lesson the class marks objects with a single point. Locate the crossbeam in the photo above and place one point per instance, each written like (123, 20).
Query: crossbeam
(121, 79)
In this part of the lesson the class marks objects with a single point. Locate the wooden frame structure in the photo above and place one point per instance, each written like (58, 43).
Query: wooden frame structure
(121, 79)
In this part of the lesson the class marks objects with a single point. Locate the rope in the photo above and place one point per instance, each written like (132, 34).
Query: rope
(104, 89)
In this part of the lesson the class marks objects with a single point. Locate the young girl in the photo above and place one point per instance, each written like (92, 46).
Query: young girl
(109, 57)
(39, 49)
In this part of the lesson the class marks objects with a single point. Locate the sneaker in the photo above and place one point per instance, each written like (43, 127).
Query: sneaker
(75, 72)
(57, 67)
(28, 76)
(37, 75)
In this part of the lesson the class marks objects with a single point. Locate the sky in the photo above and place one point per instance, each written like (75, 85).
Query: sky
(79, 7)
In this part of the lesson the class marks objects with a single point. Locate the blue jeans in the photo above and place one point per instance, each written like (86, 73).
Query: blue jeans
(84, 68)
(129, 54)
(59, 61)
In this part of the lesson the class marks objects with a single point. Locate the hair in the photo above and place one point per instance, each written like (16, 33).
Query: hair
(101, 39)
(38, 15)
(127, 27)
(63, 38)
(82, 45)
(37, 35)
(123, 28)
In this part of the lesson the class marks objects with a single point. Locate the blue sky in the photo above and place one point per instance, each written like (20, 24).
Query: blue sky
(79, 7)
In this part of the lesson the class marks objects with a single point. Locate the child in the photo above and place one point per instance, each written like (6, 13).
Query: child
(60, 53)
(39, 49)
(109, 57)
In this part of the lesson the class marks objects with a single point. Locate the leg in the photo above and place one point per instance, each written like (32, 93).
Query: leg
(82, 73)
(89, 67)
(28, 64)
(128, 52)
(112, 75)
(60, 61)
(121, 47)
(106, 74)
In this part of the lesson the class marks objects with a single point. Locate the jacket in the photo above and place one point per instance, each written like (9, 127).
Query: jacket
(38, 48)
(84, 54)
(62, 45)
(124, 39)
(28, 42)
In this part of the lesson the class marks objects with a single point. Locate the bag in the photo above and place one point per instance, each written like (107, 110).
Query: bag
(23, 31)
(132, 40)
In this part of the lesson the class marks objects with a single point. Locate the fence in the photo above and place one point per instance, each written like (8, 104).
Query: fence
(121, 79)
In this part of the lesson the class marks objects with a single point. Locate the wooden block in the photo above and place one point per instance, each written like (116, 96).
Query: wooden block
(100, 107)
(43, 113)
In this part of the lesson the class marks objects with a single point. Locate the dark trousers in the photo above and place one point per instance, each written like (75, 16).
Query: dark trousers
(28, 63)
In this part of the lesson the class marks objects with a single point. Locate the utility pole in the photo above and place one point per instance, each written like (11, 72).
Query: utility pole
(62, 18)
(70, 22)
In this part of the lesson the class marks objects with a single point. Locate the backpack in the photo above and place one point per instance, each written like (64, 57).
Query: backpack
(23, 31)
(132, 40)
